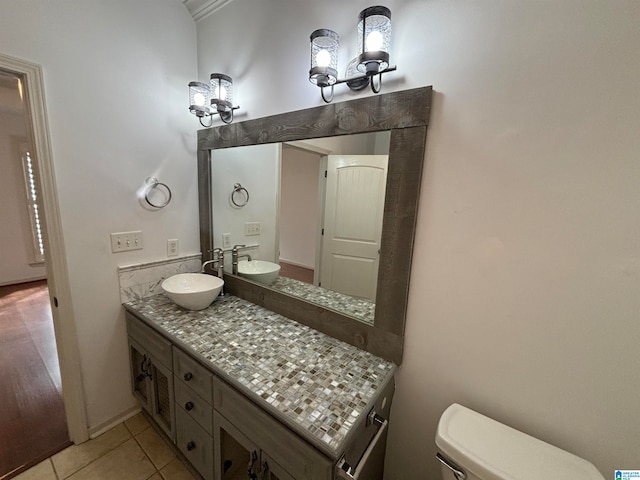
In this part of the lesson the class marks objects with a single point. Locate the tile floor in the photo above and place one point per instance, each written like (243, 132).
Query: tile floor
(131, 451)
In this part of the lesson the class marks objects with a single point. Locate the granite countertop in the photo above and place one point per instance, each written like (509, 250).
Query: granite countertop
(316, 384)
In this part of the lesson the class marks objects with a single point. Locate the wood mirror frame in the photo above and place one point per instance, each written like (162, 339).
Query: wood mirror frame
(406, 115)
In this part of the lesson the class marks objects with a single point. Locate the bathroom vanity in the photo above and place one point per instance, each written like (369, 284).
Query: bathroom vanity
(269, 383)
(244, 392)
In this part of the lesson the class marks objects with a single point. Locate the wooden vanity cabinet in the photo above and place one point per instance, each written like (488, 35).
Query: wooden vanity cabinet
(151, 373)
(223, 433)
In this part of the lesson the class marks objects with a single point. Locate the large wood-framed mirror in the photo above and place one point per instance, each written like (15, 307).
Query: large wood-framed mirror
(405, 116)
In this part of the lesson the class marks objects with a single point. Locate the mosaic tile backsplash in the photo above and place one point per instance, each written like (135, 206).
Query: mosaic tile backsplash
(345, 304)
(310, 380)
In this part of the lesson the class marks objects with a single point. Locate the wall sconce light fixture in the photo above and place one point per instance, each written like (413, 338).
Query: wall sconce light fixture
(374, 40)
(213, 99)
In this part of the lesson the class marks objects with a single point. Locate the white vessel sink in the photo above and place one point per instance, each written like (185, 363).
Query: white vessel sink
(259, 271)
(193, 291)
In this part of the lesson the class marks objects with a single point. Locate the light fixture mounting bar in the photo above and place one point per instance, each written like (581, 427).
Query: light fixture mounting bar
(364, 75)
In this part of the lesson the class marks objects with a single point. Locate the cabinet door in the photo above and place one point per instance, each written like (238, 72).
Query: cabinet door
(298, 457)
(162, 402)
(140, 384)
(270, 470)
(236, 457)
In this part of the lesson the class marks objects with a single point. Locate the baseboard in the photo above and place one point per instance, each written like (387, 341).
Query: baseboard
(296, 264)
(22, 280)
(98, 430)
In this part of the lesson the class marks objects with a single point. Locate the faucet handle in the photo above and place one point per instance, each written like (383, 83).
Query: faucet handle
(236, 247)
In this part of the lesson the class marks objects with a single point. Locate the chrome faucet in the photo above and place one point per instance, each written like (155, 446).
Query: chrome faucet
(235, 257)
(219, 261)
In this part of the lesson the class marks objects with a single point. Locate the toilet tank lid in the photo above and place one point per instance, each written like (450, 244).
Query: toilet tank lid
(493, 451)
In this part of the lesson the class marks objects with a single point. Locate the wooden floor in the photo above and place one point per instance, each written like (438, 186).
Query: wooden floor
(32, 420)
(296, 272)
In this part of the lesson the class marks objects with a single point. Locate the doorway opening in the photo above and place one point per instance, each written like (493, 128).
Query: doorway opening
(33, 424)
(32, 421)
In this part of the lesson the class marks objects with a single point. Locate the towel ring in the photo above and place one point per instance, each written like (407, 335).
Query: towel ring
(153, 183)
(237, 188)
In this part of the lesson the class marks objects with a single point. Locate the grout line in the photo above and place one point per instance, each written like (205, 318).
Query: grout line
(53, 467)
(95, 459)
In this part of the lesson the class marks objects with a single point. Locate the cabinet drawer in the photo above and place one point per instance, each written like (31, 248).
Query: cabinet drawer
(198, 378)
(194, 443)
(293, 453)
(194, 405)
(156, 345)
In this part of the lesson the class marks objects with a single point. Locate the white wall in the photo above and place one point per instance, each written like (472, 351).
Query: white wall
(299, 206)
(115, 76)
(257, 169)
(524, 295)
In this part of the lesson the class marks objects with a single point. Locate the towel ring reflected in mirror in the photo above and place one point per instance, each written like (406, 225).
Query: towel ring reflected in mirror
(242, 193)
(152, 185)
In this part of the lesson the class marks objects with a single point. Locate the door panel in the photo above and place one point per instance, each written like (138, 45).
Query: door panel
(353, 223)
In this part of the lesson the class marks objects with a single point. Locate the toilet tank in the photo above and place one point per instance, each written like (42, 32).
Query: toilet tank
(488, 450)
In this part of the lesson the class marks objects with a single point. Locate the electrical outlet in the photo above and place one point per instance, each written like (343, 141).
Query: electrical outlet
(172, 247)
(226, 240)
(252, 228)
(124, 241)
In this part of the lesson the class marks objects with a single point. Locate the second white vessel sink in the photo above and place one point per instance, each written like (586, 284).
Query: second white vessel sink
(259, 271)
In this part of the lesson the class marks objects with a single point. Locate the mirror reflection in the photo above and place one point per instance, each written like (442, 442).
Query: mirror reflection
(322, 229)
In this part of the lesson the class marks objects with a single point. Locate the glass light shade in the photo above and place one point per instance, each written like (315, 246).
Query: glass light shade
(221, 92)
(374, 39)
(199, 99)
(324, 57)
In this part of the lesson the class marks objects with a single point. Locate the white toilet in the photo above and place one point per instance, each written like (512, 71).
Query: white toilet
(474, 447)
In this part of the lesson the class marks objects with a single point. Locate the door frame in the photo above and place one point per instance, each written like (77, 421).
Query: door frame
(55, 256)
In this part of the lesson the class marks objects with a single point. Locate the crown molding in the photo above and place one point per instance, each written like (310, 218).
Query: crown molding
(200, 9)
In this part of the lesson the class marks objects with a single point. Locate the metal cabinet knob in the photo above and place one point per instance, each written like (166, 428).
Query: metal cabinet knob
(191, 445)
(188, 406)
(188, 376)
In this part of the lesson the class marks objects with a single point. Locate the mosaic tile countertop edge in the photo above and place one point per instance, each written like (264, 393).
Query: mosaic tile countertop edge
(319, 386)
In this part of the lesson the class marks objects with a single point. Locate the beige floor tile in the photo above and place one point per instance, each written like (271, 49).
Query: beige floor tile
(137, 424)
(176, 471)
(75, 457)
(155, 447)
(41, 471)
(156, 476)
(127, 462)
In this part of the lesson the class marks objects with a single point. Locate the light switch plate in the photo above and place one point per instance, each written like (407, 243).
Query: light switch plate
(125, 241)
(252, 228)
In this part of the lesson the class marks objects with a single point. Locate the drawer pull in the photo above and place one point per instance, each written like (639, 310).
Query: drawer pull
(191, 445)
(188, 376)
(188, 406)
